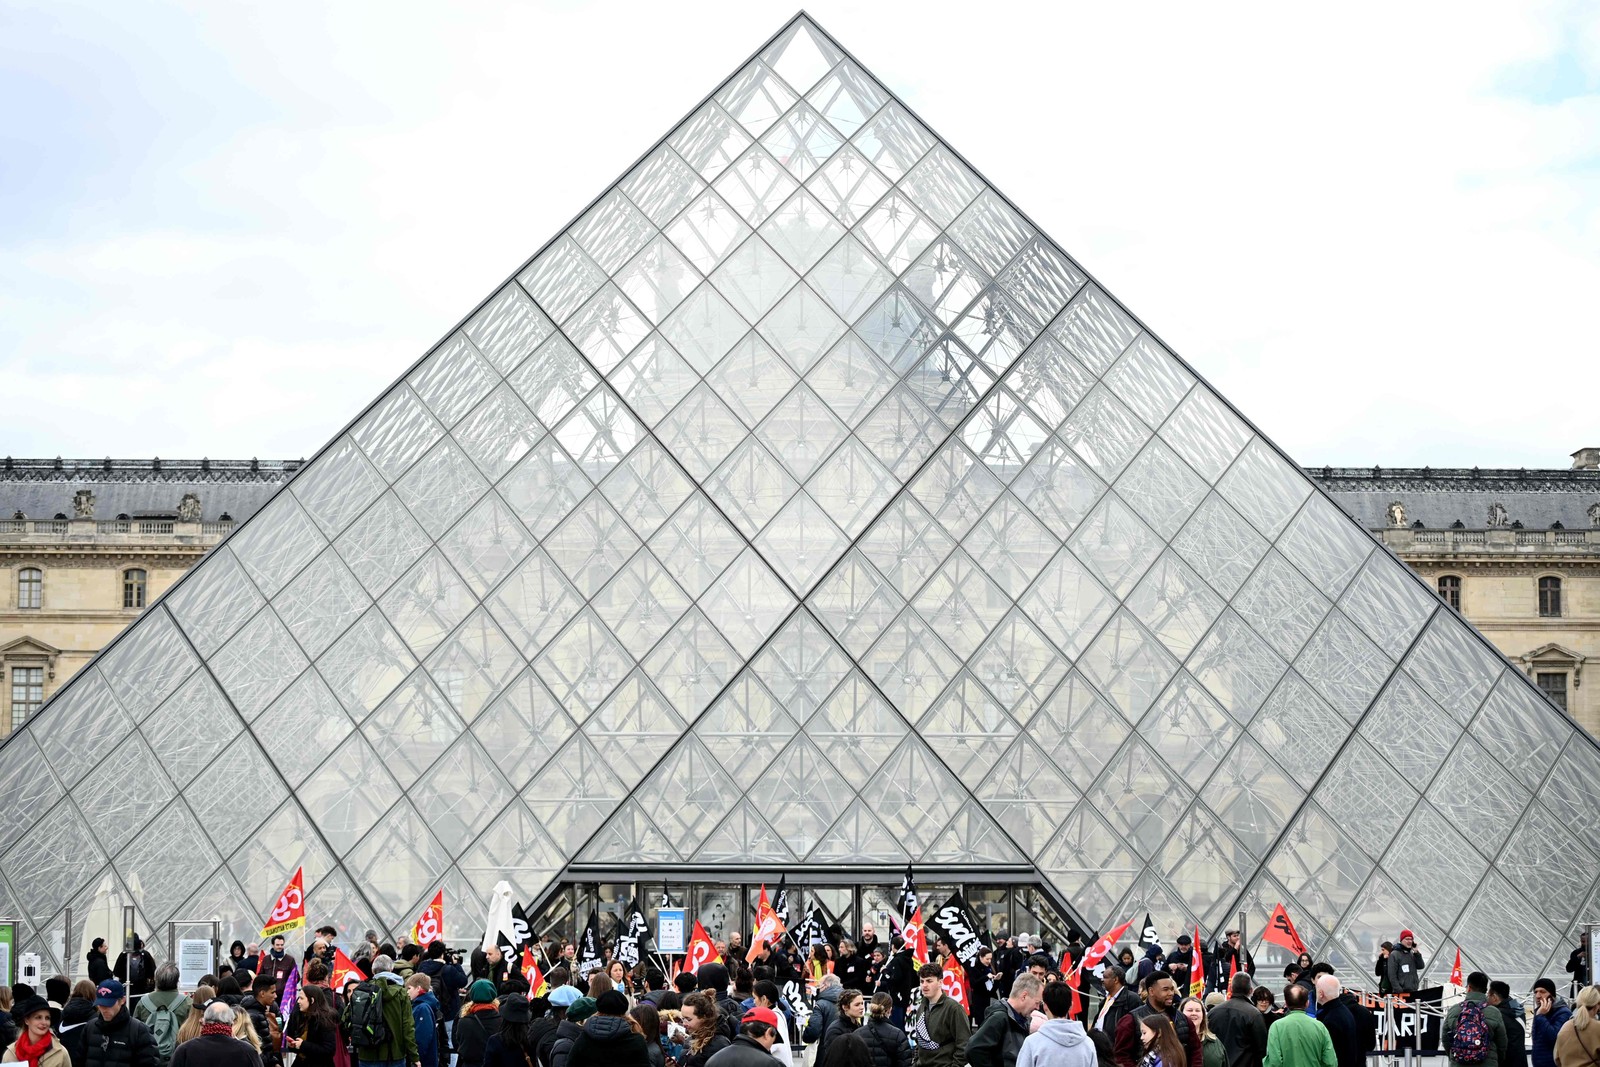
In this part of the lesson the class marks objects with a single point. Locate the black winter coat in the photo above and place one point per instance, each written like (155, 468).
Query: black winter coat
(75, 1016)
(698, 1059)
(561, 1039)
(840, 1026)
(215, 1050)
(852, 972)
(122, 1042)
(886, 1042)
(998, 1038)
(608, 1041)
(142, 979)
(258, 1019)
(99, 967)
(473, 1031)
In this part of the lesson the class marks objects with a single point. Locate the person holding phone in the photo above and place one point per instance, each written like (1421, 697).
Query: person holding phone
(1550, 1014)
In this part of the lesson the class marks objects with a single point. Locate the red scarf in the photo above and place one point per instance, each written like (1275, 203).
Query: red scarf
(31, 1052)
(225, 1029)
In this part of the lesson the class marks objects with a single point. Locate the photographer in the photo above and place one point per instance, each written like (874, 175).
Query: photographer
(443, 969)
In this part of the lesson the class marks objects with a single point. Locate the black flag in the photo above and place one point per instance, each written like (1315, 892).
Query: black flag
(957, 926)
(589, 947)
(811, 932)
(632, 937)
(908, 897)
(780, 900)
(1147, 936)
(512, 941)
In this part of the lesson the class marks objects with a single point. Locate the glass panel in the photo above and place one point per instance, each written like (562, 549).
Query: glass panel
(638, 726)
(852, 486)
(753, 278)
(801, 328)
(1161, 488)
(1189, 729)
(1548, 866)
(1387, 602)
(1345, 667)
(1011, 544)
(629, 836)
(321, 603)
(704, 328)
(1434, 864)
(688, 795)
(147, 663)
(1281, 605)
(453, 379)
(847, 97)
(971, 837)
(745, 729)
(1533, 737)
(893, 141)
(552, 380)
(1220, 545)
(1140, 797)
(561, 278)
(858, 837)
(1128, 665)
(743, 836)
(263, 863)
(1078, 728)
(248, 773)
(1174, 604)
(692, 664)
(849, 186)
(1253, 796)
(1319, 865)
(696, 545)
(52, 861)
(1116, 545)
(1298, 728)
(755, 97)
(544, 487)
(303, 727)
(801, 432)
(396, 431)
(583, 665)
(961, 603)
(1325, 544)
(911, 665)
(124, 794)
(967, 728)
(23, 785)
(464, 791)
(523, 728)
(1204, 865)
(427, 603)
(487, 544)
(214, 601)
(398, 861)
(84, 720)
(896, 231)
(1410, 730)
(990, 231)
(507, 328)
(382, 544)
(574, 794)
(901, 433)
(591, 544)
(802, 141)
(662, 185)
(1473, 790)
(956, 489)
(498, 432)
(1452, 665)
(365, 664)
(535, 602)
(607, 328)
(1149, 379)
(1236, 666)
(168, 858)
(856, 603)
(474, 664)
(747, 602)
(653, 379)
(337, 486)
(802, 54)
(612, 231)
(1360, 777)
(641, 603)
(915, 796)
(1027, 795)
(800, 665)
(515, 847)
(187, 732)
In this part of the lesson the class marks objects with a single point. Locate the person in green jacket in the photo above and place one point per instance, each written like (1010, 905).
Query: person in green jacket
(943, 1027)
(1298, 1040)
(399, 1049)
(1478, 993)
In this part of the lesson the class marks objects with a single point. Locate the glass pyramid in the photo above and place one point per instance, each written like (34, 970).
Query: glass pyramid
(802, 503)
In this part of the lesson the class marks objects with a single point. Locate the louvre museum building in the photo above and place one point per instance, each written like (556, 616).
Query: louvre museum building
(802, 510)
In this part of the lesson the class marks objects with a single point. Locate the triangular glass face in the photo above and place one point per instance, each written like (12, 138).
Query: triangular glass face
(801, 502)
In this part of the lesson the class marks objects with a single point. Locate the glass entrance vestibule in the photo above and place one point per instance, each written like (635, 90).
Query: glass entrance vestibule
(843, 907)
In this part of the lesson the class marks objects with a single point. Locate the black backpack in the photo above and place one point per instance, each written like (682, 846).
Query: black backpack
(364, 1016)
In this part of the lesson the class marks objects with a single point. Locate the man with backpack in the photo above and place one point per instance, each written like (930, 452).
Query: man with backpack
(427, 1018)
(1475, 1031)
(378, 1022)
(163, 1012)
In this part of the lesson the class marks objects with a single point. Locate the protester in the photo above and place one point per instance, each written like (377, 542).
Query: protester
(852, 967)
(1298, 1040)
(610, 1038)
(377, 1018)
(758, 1030)
(99, 962)
(113, 1037)
(262, 1007)
(514, 1045)
(1578, 963)
(1267, 1005)
(1550, 1014)
(999, 1037)
(700, 1018)
(1212, 1053)
(35, 1044)
(314, 1029)
(1158, 1039)
(1059, 1042)
(1232, 958)
(216, 1045)
(479, 1020)
(194, 1022)
(852, 1010)
(884, 1040)
(1474, 1032)
(571, 1011)
(1334, 1015)
(1578, 1043)
(1160, 998)
(164, 1011)
(1516, 1054)
(824, 1011)
(136, 969)
(1119, 1001)
(942, 1028)
(427, 1019)
(1405, 965)
(648, 1017)
(1380, 968)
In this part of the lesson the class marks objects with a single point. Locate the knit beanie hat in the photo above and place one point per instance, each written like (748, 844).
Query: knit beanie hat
(582, 1008)
(481, 992)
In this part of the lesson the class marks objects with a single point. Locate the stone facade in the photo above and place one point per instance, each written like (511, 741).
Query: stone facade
(86, 544)
(1516, 551)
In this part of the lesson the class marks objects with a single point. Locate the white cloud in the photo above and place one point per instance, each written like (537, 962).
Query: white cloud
(1377, 232)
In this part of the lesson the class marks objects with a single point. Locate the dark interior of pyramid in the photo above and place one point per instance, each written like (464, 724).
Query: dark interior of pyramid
(803, 509)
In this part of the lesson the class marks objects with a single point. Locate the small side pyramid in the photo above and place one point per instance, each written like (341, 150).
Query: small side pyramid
(802, 503)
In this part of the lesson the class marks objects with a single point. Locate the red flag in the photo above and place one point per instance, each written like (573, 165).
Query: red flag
(1455, 972)
(701, 949)
(1197, 968)
(954, 981)
(1102, 948)
(429, 926)
(1066, 962)
(537, 986)
(1233, 967)
(1280, 931)
(769, 927)
(342, 966)
(915, 936)
(1077, 1005)
(289, 912)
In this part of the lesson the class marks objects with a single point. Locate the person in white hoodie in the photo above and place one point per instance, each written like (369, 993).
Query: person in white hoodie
(1059, 1042)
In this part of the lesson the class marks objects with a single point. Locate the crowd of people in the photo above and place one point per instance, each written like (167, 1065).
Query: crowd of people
(863, 1003)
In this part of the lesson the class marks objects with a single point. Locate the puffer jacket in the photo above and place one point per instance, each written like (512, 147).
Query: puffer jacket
(472, 1033)
(886, 1042)
(122, 1042)
(608, 1041)
(823, 1013)
(75, 1016)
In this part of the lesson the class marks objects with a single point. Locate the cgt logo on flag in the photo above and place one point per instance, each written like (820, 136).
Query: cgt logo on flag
(701, 950)
(289, 912)
(429, 926)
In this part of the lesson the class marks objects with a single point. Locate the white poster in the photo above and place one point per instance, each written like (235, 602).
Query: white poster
(195, 960)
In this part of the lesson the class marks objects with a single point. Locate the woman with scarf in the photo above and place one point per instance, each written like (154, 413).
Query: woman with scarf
(36, 1044)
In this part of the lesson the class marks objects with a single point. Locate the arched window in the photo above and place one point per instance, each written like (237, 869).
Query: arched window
(1450, 590)
(1550, 597)
(30, 587)
(133, 588)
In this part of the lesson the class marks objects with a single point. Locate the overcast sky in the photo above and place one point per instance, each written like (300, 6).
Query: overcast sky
(1374, 227)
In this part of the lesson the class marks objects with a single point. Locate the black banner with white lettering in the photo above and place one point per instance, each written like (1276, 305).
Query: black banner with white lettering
(589, 947)
(957, 926)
